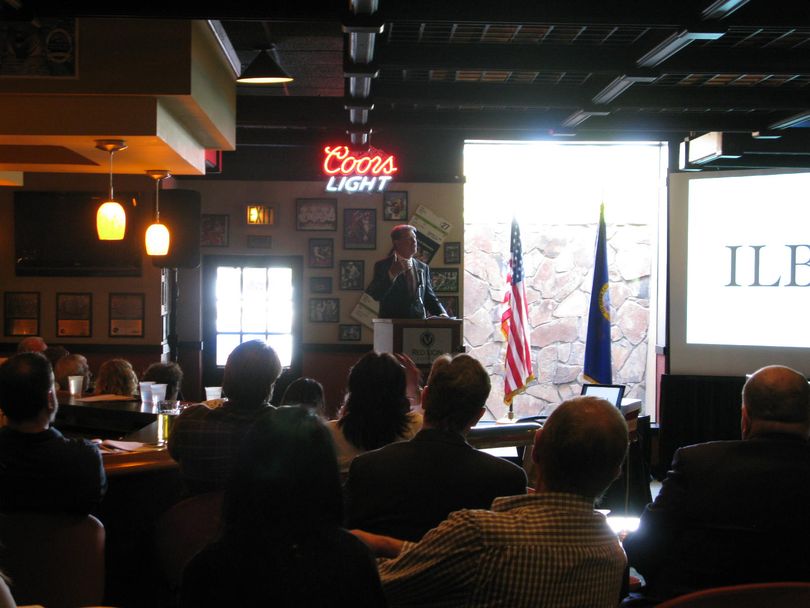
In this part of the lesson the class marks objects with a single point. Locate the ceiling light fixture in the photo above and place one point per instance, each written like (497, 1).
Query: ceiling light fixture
(797, 120)
(722, 8)
(674, 43)
(619, 86)
(581, 116)
(111, 219)
(157, 237)
(264, 69)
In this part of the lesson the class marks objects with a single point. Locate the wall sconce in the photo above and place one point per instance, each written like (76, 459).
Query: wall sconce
(260, 215)
(111, 219)
(157, 235)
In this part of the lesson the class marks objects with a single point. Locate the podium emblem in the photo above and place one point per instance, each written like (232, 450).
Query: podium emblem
(427, 339)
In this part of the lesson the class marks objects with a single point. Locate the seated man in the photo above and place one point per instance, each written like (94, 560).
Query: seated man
(544, 549)
(406, 488)
(205, 441)
(72, 365)
(732, 512)
(32, 344)
(169, 374)
(40, 470)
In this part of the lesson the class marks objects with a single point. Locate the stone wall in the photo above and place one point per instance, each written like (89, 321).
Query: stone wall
(558, 264)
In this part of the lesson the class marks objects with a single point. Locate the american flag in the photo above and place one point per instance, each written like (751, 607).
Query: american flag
(515, 325)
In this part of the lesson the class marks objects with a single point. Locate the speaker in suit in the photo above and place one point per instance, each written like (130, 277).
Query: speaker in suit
(401, 283)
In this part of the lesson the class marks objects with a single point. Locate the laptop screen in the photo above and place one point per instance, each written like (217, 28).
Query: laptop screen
(612, 393)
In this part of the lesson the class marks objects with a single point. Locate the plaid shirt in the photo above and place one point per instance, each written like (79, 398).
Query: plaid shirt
(205, 442)
(546, 549)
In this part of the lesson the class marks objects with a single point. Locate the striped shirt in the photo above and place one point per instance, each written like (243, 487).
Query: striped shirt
(546, 549)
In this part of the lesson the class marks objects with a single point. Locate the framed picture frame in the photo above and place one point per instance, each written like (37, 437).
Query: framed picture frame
(445, 280)
(318, 214)
(21, 313)
(320, 284)
(350, 332)
(321, 253)
(214, 230)
(450, 304)
(74, 315)
(452, 253)
(395, 206)
(426, 248)
(126, 315)
(259, 241)
(352, 275)
(359, 228)
(324, 310)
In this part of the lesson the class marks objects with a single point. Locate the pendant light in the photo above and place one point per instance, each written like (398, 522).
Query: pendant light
(264, 70)
(157, 235)
(111, 219)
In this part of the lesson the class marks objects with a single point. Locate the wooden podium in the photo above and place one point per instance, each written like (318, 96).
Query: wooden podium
(421, 339)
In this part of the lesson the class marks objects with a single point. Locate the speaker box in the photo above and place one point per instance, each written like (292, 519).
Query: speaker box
(180, 211)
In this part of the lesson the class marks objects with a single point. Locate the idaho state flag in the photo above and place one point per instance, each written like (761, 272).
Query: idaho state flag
(598, 365)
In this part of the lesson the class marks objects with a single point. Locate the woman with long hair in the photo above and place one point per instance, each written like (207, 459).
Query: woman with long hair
(116, 377)
(376, 410)
(282, 543)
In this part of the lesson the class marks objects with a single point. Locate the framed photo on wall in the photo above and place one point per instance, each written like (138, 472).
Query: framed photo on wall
(213, 230)
(324, 310)
(426, 248)
(350, 332)
(352, 274)
(316, 214)
(452, 253)
(321, 253)
(126, 315)
(445, 280)
(359, 228)
(320, 284)
(74, 314)
(450, 304)
(395, 206)
(21, 313)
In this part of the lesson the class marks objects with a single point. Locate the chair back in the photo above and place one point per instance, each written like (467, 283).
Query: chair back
(183, 530)
(53, 559)
(755, 595)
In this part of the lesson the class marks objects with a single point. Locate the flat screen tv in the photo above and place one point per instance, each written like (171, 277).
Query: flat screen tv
(55, 235)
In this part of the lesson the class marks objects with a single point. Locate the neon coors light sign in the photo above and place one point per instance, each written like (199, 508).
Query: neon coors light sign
(370, 171)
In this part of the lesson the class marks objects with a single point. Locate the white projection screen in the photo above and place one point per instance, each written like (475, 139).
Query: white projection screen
(739, 271)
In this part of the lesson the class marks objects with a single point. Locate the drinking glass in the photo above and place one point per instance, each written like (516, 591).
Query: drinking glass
(167, 411)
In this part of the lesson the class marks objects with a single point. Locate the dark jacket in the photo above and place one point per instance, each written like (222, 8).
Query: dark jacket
(729, 512)
(395, 298)
(407, 488)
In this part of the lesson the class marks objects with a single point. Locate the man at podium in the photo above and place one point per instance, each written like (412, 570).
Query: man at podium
(401, 283)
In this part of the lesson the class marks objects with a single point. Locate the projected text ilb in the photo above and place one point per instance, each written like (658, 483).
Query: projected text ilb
(775, 278)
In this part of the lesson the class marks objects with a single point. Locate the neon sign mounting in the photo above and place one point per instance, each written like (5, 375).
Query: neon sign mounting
(370, 171)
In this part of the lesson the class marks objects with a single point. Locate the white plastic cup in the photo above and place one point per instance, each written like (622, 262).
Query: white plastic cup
(76, 385)
(158, 394)
(146, 391)
(213, 392)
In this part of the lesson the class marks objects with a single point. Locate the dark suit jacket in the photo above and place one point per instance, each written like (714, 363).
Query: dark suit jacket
(407, 488)
(395, 298)
(729, 512)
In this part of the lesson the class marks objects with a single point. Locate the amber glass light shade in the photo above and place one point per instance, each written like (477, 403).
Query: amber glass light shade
(157, 240)
(111, 221)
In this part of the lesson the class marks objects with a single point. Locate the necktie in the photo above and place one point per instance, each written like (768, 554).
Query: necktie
(411, 280)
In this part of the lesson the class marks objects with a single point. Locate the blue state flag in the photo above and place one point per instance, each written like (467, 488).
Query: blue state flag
(598, 365)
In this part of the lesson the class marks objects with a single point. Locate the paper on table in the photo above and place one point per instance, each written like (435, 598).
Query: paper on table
(124, 446)
(105, 398)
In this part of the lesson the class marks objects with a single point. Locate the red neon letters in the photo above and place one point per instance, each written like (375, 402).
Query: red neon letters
(338, 160)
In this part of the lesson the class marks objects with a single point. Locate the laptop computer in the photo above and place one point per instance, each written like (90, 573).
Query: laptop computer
(612, 393)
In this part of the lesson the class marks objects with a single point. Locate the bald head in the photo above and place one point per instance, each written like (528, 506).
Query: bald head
(776, 398)
(581, 447)
(31, 344)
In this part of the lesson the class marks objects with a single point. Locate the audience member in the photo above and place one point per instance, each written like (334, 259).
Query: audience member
(40, 470)
(732, 512)
(406, 488)
(31, 344)
(282, 543)
(54, 353)
(307, 392)
(116, 377)
(72, 365)
(544, 549)
(376, 411)
(169, 374)
(205, 441)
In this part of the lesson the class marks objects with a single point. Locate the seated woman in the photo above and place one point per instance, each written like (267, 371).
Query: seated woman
(376, 410)
(116, 377)
(305, 391)
(282, 544)
(169, 374)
